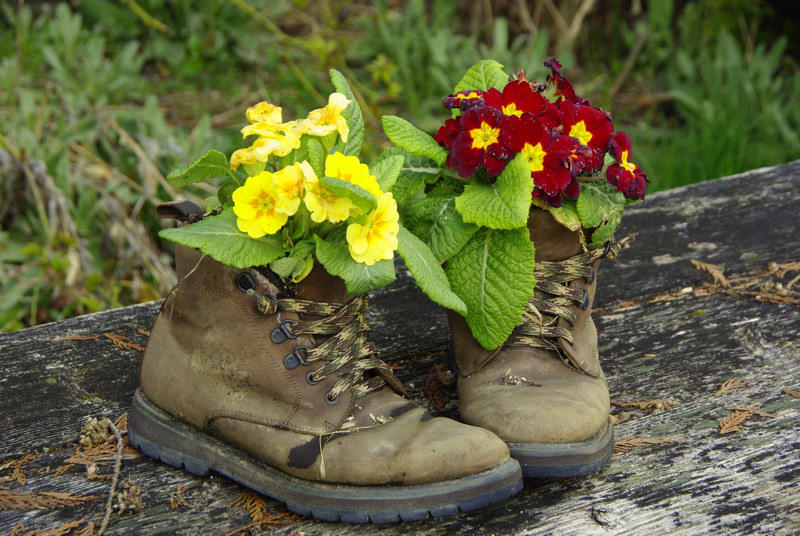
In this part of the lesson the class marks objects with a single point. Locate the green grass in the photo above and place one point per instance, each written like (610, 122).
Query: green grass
(100, 100)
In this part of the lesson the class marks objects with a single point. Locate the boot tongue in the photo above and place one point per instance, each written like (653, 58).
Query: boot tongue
(553, 241)
(321, 286)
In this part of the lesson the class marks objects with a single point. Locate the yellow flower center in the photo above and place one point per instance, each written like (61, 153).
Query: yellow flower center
(470, 95)
(511, 109)
(630, 166)
(262, 204)
(534, 156)
(484, 136)
(579, 132)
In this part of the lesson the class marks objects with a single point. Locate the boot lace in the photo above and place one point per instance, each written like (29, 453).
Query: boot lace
(555, 298)
(346, 351)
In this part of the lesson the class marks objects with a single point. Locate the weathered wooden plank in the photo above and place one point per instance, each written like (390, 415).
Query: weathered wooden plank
(683, 350)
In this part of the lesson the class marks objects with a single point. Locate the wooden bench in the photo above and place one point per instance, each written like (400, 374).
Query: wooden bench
(670, 338)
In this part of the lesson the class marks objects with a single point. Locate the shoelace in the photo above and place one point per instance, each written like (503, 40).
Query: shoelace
(539, 327)
(346, 352)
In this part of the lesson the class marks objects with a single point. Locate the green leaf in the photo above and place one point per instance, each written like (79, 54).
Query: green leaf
(427, 271)
(352, 114)
(386, 170)
(285, 267)
(597, 201)
(316, 156)
(566, 215)
(493, 274)
(604, 232)
(304, 248)
(210, 165)
(226, 190)
(411, 139)
(415, 172)
(484, 75)
(436, 221)
(502, 205)
(359, 278)
(219, 238)
(358, 195)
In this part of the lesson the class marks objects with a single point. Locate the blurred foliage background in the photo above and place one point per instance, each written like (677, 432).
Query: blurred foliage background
(100, 99)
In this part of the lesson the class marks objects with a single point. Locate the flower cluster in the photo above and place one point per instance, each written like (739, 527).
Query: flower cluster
(275, 137)
(266, 201)
(561, 139)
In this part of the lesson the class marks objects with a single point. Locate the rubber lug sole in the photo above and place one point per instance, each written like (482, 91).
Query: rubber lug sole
(561, 460)
(163, 437)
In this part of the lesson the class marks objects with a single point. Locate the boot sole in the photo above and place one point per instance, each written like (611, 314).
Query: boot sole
(560, 460)
(163, 437)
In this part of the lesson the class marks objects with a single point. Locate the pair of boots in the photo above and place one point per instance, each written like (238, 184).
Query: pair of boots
(279, 389)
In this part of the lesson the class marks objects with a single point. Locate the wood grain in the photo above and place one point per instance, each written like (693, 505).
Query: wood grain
(746, 482)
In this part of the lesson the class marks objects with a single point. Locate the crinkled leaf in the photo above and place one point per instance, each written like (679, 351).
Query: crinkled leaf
(386, 170)
(358, 195)
(493, 274)
(219, 238)
(502, 205)
(415, 172)
(484, 75)
(597, 201)
(411, 139)
(210, 165)
(359, 278)
(352, 114)
(436, 221)
(566, 215)
(427, 271)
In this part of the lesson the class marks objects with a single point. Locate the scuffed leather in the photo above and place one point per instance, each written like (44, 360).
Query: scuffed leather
(558, 404)
(210, 362)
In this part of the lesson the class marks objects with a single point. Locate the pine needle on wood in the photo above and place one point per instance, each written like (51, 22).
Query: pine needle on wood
(731, 384)
(626, 445)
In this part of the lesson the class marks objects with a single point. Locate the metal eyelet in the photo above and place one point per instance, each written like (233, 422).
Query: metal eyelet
(245, 282)
(585, 301)
(283, 332)
(296, 358)
(330, 400)
(310, 380)
(590, 278)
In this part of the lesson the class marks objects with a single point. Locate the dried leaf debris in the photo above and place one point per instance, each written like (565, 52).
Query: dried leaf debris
(655, 405)
(626, 445)
(731, 384)
(120, 341)
(791, 392)
(23, 500)
(765, 285)
(260, 516)
(734, 422)
(436, 384)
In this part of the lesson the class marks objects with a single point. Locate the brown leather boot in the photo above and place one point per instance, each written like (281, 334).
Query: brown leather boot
(543, 391)
(279, 390)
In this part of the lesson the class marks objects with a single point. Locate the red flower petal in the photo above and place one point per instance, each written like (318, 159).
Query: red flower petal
(447, 133)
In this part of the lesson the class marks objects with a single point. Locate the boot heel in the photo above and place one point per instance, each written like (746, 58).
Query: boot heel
(158, 439)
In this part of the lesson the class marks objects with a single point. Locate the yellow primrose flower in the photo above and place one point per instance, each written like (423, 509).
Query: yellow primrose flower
(323, 121)
(324, 204)
(350, 169)
(289, 188)
(376, 240)
(264, 112)
(255, 205)
(265, 146)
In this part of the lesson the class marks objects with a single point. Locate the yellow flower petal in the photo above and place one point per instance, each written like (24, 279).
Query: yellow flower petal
(263, 112)
(375, 240)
